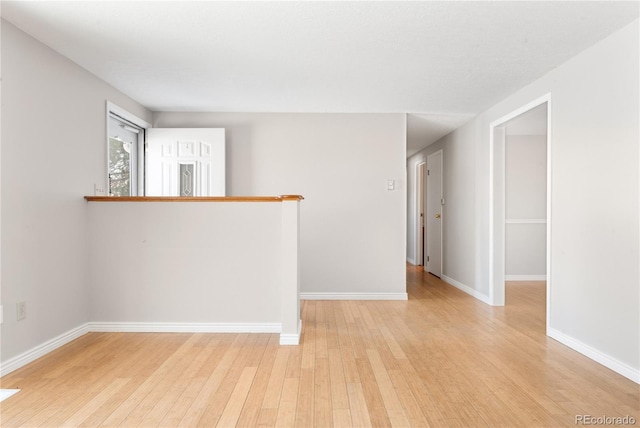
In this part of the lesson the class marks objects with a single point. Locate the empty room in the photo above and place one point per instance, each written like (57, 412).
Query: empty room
(316, 214)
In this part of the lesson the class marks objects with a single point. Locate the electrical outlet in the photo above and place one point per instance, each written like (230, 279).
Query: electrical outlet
(1, 314)
(99, 190)
(21, 311)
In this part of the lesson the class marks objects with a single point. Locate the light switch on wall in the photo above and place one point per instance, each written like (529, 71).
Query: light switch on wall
(99, 190)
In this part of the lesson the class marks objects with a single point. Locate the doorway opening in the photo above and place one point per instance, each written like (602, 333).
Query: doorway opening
(434, 203)
(520, 177)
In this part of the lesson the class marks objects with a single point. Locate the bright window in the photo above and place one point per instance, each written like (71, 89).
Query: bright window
(123, 157)
(125, 152)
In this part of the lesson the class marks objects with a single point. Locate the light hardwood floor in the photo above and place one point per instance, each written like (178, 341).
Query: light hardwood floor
(439, 359)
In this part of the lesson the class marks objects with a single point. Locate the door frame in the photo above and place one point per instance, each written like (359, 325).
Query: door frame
(420, 193)
(426, 202)
(497, 215)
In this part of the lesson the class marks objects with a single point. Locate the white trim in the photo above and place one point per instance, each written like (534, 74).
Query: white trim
(412, 261)
(619, 367)
(162, 327)
(492, 291)
(291, 338)
(475, 293)
(354, 296)
(525, 277)
(111, 107)
(33, 354)
(526, 221)
(549, 172)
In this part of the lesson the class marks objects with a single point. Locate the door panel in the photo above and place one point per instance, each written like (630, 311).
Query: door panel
(166, 180)
(434, 214)
(205, 177)
(169, 148)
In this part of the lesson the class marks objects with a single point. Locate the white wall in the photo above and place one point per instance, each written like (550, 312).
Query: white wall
(525, 251)
(458, 211)
(525, 199)
(53, 151)
(526, 177)
(352, 237)
(187, 262)
(595, 244)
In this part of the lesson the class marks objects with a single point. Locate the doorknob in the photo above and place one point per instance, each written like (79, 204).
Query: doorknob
(437, 215)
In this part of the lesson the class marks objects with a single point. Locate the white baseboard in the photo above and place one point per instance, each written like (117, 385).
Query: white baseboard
(411, 261)
(596, 355)
(161, 327)
(525, 277)
(33, 354)
(291, 338)
(475, 293)
(354, 296)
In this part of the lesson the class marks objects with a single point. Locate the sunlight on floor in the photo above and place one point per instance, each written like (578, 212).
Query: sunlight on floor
(6, 393)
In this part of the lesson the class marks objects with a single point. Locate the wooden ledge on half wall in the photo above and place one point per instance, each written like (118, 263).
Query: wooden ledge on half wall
(194, 198)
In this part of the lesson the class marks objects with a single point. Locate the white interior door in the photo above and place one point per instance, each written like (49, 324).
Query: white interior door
(434, 214)
(420, 230)
(185, 162)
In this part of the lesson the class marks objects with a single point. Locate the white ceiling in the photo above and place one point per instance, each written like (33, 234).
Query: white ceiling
(425, 129)
(445, 61)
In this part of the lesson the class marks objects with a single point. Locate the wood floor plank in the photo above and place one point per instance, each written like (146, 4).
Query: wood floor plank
(250, 415)
(339, 395)
(342, 418)
(246, 357)
(202, 400)
(373, 399)
(305, 400)
(286, 415)
(276, 379)
(358, 405)
(171, 389)
(77, 418)
(267, 418)
(238, 397)
(409, 404)
(392, 403)
(148, 394)
(323, 410)
(180, 407)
